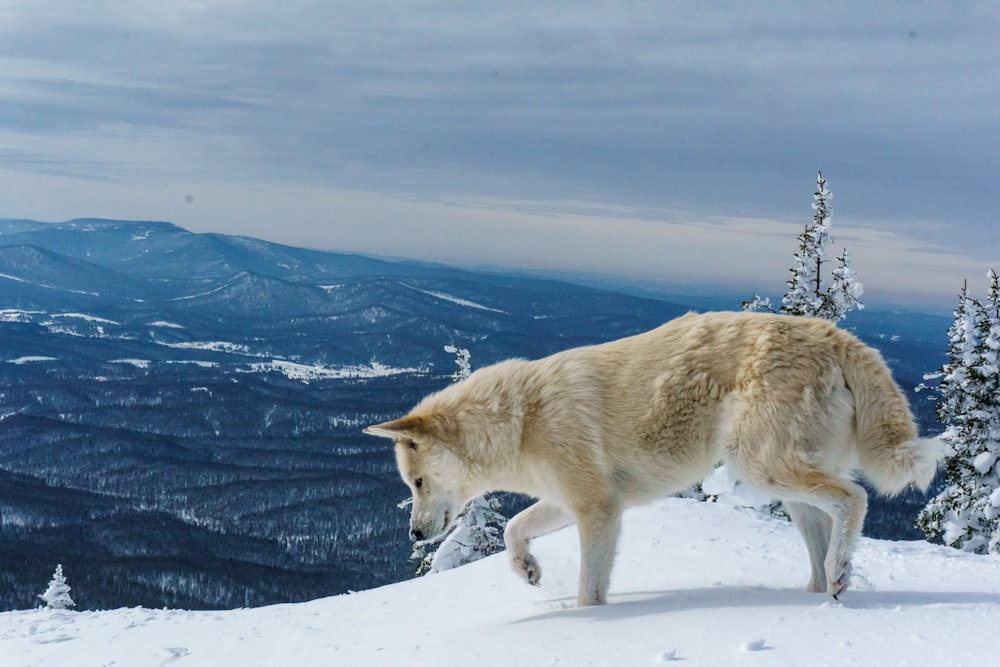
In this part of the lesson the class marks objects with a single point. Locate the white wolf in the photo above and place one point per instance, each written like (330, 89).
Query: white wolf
(792, 404)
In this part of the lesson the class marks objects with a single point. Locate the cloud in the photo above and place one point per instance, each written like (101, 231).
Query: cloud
(649, 108)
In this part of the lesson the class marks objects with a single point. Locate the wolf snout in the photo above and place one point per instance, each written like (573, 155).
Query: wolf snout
(416, 535)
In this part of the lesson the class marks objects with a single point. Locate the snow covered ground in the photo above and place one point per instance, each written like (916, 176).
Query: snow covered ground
(695, 583)
(307, 372)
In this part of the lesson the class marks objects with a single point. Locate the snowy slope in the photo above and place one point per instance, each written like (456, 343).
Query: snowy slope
(696, 583)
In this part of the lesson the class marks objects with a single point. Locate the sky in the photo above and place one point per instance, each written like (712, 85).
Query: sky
(657, 142)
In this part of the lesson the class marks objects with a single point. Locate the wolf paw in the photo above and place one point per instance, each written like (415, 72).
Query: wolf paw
(839, 579)
(527, 568)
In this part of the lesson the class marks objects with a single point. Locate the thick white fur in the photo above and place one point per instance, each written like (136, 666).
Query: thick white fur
(793, 405)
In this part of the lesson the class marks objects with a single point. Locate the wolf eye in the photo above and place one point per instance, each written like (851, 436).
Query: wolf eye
(418, 482)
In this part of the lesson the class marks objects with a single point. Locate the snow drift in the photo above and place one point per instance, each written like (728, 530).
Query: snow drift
(700, 583)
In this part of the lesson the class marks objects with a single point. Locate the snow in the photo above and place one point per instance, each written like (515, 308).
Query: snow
(14, 278)
(212, 346)
(165, 324)
(307, 372)
(84, 316)
(695, 583)
(210, 292)
(983, 463)
(52, 287)
(138, 363)
(453, 299)
(29, 359)
(195, 362)
(721, 482)
(15, 315)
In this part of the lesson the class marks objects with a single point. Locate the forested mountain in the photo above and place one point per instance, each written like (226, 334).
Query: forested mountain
(180, 413)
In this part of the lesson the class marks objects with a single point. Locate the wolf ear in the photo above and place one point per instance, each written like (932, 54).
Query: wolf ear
(395, 428)
(404, 426)
(415, 426)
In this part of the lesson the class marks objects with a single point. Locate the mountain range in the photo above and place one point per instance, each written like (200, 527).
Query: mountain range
(180, 413)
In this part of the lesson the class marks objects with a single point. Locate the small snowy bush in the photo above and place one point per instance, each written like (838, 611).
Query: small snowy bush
(57, 595)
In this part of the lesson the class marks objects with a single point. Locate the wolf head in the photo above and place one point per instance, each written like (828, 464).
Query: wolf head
(429, 463)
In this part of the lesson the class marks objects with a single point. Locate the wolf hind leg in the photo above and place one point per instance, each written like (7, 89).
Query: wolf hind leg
(815, 526)
(845, 503)
(541, 518)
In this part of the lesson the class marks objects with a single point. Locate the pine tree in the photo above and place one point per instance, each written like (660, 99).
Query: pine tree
(952, 404)
(966, 513)
(758, 304)
(806, 295)
(462, 360)
(56, 596)
(845, 290)
(987, 417)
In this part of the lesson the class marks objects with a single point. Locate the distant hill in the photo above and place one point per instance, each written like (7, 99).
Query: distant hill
(351, 309)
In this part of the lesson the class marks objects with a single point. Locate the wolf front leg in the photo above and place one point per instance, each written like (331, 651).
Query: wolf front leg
(541, 518)
(599, 528)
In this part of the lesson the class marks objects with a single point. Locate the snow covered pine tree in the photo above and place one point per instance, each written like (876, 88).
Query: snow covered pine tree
(805, 295)
(56, 596)
(478, 530)
(463, 360)
(478, 533)
(966, 514)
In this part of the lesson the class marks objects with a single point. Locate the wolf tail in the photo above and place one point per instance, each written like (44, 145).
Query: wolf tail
(891, 454)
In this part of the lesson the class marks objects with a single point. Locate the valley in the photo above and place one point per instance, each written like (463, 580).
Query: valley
(180, 413)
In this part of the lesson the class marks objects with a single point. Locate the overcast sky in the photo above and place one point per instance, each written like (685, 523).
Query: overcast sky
(657, 141)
